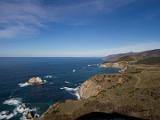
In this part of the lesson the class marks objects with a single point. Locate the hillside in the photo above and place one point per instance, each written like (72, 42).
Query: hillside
(133, 56)
(150, 61)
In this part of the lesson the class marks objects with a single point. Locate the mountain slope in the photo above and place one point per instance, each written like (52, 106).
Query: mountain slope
(133, 56)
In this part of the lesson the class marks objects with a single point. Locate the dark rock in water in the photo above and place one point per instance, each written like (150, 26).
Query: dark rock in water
(36, 116)
(30, 115)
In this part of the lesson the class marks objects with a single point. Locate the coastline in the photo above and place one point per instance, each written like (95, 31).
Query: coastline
(133, 92)
(124, 93)
(55, 77)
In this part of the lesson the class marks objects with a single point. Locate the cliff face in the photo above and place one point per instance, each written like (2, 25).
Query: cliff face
(89, 88)
(134, 93)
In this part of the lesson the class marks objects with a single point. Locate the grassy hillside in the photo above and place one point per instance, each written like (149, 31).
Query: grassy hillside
(151, 61)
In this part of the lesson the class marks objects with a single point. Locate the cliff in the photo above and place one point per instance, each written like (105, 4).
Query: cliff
(134, 92)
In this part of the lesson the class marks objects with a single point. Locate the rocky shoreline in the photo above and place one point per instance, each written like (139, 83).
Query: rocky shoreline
(134, 92)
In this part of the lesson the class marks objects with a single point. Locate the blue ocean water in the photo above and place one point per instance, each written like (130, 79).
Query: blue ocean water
(58, 72)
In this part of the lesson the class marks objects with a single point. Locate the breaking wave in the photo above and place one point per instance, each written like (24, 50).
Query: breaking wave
(93, 65)
(67, 82)
(73, 91)
(23, 84)
(74, 70)
(6, 115)
(20, 108)
(13, 101)
(44, 81)
(48, 76)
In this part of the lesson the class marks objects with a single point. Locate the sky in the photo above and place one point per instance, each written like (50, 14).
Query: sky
(78, 28)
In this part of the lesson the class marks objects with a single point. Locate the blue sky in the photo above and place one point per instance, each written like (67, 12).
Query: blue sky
(78, 27)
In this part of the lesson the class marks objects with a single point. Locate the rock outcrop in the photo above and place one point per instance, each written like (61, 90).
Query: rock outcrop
(35, 81)
(121, 65)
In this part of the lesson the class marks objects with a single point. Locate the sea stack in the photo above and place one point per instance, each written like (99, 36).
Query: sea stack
(35, 81)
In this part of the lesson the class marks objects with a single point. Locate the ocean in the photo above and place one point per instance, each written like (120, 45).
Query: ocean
(63, 76)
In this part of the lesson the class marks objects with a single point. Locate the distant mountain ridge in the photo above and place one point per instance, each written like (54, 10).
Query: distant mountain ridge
(133, 56)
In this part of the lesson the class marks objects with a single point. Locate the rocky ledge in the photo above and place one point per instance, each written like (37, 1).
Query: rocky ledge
(136, 93)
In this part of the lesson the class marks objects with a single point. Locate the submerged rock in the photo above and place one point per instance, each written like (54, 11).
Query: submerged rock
(31, 115)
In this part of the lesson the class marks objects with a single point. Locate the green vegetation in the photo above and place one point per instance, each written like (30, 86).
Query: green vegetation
(150, 61)
(126, 58)
(55, 111)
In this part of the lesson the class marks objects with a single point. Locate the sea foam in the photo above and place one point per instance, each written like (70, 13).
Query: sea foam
(23, 84)
(74, 70)
(20, 108)
(67, 82)
(73, 91)
(6, 115)
(48, 76)
(13, 101)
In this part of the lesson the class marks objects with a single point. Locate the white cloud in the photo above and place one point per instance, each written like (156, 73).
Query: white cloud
(20, 18)
(17, 17)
